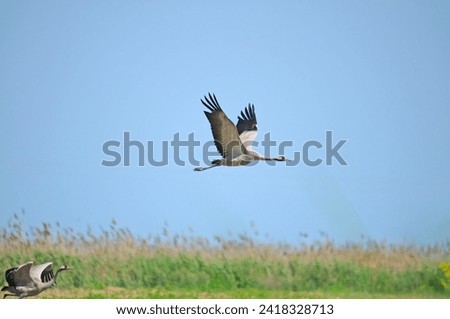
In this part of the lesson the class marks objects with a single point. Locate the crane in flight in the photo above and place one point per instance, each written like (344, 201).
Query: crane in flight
(234, 142)
(29, 280)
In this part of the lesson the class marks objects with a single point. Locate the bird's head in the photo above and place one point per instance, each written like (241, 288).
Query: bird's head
(65, 267)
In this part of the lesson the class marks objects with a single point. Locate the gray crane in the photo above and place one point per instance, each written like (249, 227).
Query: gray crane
(234, 143)
(27, 280)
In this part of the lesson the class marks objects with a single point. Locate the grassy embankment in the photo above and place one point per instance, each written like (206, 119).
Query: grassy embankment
(115, 264)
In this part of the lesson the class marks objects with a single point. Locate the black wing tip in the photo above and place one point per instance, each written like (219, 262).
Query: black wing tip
(10, 270)
(211, 102)
(248, 113)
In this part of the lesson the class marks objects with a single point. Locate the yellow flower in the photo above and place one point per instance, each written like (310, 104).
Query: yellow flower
(445, 268)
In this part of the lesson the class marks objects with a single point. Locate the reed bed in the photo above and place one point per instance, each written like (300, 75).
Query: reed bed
(165, 265)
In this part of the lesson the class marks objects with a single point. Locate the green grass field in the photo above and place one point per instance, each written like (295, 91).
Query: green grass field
(115, 264)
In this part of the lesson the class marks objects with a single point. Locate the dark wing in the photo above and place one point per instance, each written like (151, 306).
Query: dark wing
(9, 276)
(225, 134)
(20, 275)
(247, 120)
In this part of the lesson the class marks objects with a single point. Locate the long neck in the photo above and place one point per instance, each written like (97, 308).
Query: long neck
(262, 158)
(57, 273)
(258, 156)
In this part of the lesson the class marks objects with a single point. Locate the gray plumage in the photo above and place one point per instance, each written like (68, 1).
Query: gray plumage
(234, 142)
(27, 280)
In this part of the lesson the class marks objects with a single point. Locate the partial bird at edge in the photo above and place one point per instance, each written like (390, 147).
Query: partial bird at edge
(27, 280)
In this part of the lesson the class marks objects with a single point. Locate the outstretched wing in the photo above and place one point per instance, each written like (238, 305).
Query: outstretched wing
(246, 126)
(247, 120)
(42, 273)
(225, 134)
(19, 276)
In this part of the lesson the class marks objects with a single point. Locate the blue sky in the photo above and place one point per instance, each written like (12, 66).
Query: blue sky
(75, 74)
